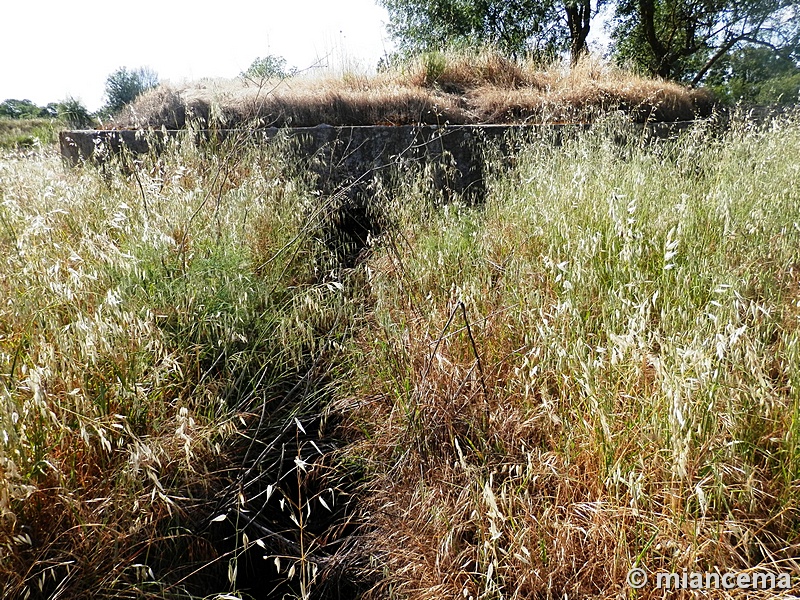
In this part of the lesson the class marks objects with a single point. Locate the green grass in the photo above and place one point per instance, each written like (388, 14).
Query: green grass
(596, 368)
(24, 133)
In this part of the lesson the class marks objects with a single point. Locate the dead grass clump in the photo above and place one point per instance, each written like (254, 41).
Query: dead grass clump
(456, 73)
(161, 106)
(109, 527)
(478, 501)
(387, 106)
(585, 93)
(296, 103)
(436, 88)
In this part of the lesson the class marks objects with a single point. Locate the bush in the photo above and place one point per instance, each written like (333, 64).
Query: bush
(269, 67)
(124, 86)
(74, 113)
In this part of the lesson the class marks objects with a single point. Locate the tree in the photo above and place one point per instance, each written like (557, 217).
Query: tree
(684, 39)
(21, 109)
(268, 67)
(51, 110)
(756, 74)
(515, 27)
(123, 86)
(579, 16)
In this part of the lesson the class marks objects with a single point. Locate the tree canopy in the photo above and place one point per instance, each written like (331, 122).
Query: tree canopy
(25, 109)
(756, 74)
(123, 86)
(267, 67)
(515, 27)
(681, 40)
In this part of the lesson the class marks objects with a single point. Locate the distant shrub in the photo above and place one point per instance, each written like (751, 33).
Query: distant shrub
(74, 113)
(268, 67)
(123, 86)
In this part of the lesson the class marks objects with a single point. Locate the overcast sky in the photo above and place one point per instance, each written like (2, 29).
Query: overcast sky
(51, 49)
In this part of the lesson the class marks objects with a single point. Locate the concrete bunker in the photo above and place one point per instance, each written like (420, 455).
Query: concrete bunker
(347, 160)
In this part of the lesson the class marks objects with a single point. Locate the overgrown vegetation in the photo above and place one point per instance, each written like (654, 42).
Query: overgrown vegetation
(26, 133)
(436, 88)
(23, 124)
(671, 39)
(164, 338)
(596, 368)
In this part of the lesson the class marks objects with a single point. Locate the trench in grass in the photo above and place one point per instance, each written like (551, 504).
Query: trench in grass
(595, 367)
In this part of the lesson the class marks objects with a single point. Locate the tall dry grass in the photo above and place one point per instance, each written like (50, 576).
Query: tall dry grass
(596, 370)
(162, 330)
(454, 88)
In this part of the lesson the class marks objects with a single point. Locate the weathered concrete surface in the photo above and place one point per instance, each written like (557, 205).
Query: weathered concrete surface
(342, 155)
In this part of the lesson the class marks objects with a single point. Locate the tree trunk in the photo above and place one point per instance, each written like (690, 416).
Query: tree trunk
(647, 12)
(579, 15)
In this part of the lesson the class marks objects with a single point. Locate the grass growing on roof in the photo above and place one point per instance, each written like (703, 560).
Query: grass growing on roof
(436, 89)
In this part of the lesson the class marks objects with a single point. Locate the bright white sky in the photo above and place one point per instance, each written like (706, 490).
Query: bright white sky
(51, 49)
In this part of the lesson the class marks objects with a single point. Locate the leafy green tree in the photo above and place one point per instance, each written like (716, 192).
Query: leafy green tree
(515, 27)
(268, 67)
(756, 74)
(123, 86)
(784, 89)
(21, 109)
(684, 39)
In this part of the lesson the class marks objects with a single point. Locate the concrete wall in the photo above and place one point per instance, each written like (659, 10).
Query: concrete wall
(350, 155)
(349, 161)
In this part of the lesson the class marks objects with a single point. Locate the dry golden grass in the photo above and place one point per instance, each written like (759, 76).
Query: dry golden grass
(594, 369)
(135, 344)
(435, 89)
(597, 369)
